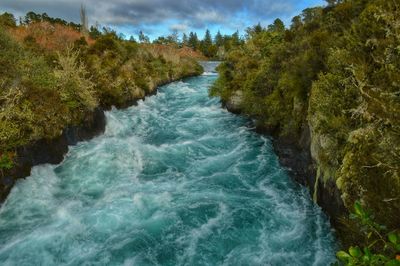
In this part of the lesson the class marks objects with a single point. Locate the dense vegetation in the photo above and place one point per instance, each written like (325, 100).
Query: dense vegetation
(336, 70)
(52, 76)
(212, 47)
(381, 247)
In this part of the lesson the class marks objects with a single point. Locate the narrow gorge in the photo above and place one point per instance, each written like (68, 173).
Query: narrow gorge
(175, 180)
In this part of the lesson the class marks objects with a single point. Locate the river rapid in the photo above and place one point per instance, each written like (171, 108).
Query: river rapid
(175, 180)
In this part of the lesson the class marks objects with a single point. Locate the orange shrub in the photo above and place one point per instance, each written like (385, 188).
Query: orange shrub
(52, 37)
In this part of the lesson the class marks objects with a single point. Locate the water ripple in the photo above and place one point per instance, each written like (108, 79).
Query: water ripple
(175, 180)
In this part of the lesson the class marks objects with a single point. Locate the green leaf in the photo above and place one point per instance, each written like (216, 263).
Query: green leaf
(367, 254)
(397, 247)
(358, 209)
(378, 258)
(393, 238)
(393, 263)
(355, 252)
(343, 256)
(6, 162)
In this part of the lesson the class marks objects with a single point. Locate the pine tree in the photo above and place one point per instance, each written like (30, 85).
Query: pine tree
(185, 40)
(235, 40)
(219, 39)
(207, 39)
(193, 41)
(143, 38)
(278, 26)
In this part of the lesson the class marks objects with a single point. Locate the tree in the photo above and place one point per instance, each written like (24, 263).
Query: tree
(207, 47)
(252, 31)
(94, 32)
(84, 21)
(32, 17)
(143, 38)
(161, 40)
(277, 26)
(185, 40)
(193, 41)
(132, 39)
(45, 17)
(219, 40)
(296, 23)
(173, 37)
(121, 36)
(7, 20)
(207, 38)
(235, 39)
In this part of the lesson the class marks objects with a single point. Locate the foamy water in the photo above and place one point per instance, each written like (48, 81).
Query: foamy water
(175, 180)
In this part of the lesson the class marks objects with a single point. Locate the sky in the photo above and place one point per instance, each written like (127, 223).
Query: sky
(161, 17)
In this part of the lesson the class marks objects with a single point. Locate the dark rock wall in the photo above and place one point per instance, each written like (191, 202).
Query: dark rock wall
(50, 151)
(294, 154)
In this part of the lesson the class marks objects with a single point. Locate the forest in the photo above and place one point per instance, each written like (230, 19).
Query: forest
(336, 72)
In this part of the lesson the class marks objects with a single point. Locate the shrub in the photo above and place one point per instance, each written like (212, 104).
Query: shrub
(73, 85)
(382, 247)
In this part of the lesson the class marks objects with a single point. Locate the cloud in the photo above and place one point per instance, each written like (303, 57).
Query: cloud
(179, 27)
(180, 15)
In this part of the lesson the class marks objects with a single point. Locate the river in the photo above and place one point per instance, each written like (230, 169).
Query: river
(175, 180)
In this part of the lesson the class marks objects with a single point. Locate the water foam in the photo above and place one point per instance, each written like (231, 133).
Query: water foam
(175, 180)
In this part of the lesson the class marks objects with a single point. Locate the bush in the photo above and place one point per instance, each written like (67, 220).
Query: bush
(382, 247)
(73, 85)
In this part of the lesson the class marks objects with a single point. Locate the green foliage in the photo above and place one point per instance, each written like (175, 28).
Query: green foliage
(6, 162)
(213, 48)
(381, 248)
(7, 20)
(75, 89)
(336, 70)
(94, 32)
(355, 103)
(27, 96)
(43, 92)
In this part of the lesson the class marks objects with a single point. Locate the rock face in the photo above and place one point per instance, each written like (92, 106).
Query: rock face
(234, 103)
(51, 150)
(295, 153)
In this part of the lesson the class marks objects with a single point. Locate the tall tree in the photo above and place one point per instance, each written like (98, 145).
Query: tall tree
(143, 38)
(84, 20)
(235, 39)
(173, 37)
(193, 41)
(207, 47)
(219, 40)
(277, 26)
(207, 38)
(7, 20)
(185, 39)
(32, 17)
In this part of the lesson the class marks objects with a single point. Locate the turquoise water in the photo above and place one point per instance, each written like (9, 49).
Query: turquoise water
(175, 180)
